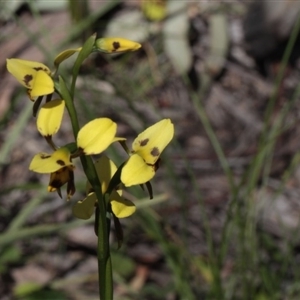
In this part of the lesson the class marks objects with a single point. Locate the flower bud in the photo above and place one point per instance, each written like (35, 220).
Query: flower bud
(116, 45)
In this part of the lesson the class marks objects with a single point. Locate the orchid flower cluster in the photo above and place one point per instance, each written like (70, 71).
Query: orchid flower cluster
(93, 138)
(104, 179)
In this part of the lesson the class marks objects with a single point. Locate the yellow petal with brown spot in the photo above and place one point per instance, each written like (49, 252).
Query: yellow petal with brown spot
(116, 45)
(49, 163)
(151, 142)
(33, 75)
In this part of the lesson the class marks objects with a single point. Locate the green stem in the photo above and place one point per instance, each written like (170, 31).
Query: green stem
(64, 92)
(103, 253)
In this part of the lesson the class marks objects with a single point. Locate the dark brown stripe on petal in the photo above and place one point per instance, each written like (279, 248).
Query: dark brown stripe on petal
(38, 69)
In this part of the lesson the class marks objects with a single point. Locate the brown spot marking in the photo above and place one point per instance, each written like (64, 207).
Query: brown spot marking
(144, 142)
(27, 79)
(60, 162)
(43, 156)
(39, 69)
(155, 152)
(116, 46)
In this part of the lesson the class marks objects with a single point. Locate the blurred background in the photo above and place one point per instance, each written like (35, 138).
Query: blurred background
(224, 221)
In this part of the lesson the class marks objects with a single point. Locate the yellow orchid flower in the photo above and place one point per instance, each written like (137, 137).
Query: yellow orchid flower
(59, 166)
(146, 150)
(48, 163)
(120, 207)
(92, 138)
(49, 117)
(116, 45)
(96, 135)
(33, 75)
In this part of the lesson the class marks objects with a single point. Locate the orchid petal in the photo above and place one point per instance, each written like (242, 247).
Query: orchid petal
(136, 171)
